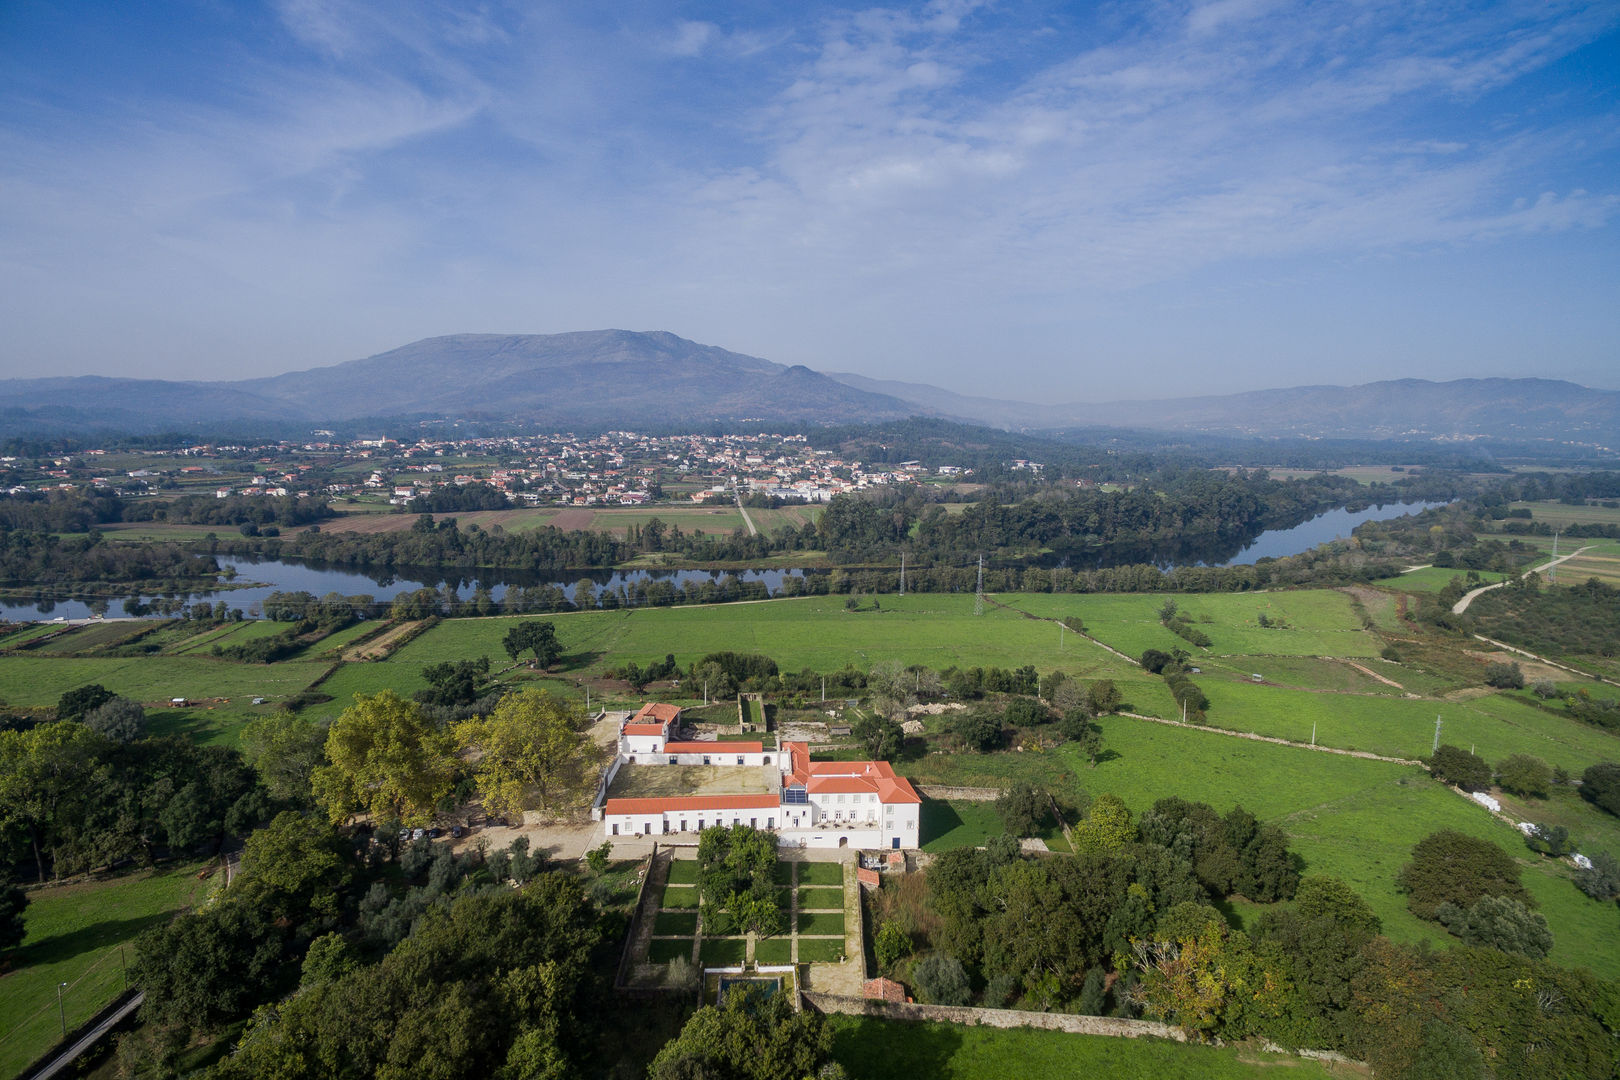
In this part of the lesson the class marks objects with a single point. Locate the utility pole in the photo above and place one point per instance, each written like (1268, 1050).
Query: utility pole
(902, 573)
(1552, 571)
(1436, 749)
(1061, 629)
(61, 1010)
(978, 594)
(1313, 732)
(824, 689)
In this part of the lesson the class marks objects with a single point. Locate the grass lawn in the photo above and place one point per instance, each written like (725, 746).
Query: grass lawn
(820, 923)
(872, 1049)
(831, 899)
(220, 726)
(821, 873)
(679, 896)
(820, 950)
(948, 824)
(683, 872)
(73, 934)
(777, 950)
(723, 951)
(782, 873)
(663, 951)
(41, 680)
(683, 923)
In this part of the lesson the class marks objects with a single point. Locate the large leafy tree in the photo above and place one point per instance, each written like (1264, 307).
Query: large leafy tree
(208, 967)
(47, 773)
(535, 636)
(1457, 766)
(1107, 828)
(1455, 868)
(531, 745)
(294, 865)
(285, 751)
(746, 1039)
(387, 759)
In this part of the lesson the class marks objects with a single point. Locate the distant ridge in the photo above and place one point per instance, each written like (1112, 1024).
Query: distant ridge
(632, 379)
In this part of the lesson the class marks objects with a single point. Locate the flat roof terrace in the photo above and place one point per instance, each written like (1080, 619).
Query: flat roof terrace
(680, 781)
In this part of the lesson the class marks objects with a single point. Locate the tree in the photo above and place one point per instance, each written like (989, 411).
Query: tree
(1524, 774)
(294, 866)
(1455, 868)
(1600, 786)
(453, 683)
(387, 759)
(1504, 676)
(597, 857)
(328, 958)
(531, 743)
(882, 737)
(285, 751)
(537, 636)
(979, 728)
(749, 1036)
(118, 719)
(1107, 828)
(12, 902)
(46, 775)
(941, 980)
(1601, 880)
(890, 945)
(74, 704)
(1022, 809)
(1454, 765)
(1154, 660)
(207, 967)
(1078, 728)
(1498, 922)
(1103, 696)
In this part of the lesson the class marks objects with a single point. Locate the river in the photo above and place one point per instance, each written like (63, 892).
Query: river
(282, 576)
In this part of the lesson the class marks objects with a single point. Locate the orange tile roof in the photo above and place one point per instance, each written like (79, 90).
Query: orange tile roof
(714, 748)
(644, 729)
(897, 790)
(883, 990)
(691, 802)
(657, 712)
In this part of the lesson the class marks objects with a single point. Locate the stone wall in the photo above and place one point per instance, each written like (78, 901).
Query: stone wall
(1114, 1026)
(965, 794)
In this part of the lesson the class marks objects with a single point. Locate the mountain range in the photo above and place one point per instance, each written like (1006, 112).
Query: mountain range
(627, 379)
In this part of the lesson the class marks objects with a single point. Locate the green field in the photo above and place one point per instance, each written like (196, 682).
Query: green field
(821, 873)
(1434, 578)
(948, 824)
(73, 936)
(1347, 817)
(821, 898)
(40, 680)
(872, 1049)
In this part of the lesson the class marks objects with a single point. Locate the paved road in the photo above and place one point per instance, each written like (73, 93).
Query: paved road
(1462, 605)
(88, 1039)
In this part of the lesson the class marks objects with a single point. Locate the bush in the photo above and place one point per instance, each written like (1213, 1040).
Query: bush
(1601, 880)
(1498, 922)
(1548, 839)
(1454, 765)
(1600, 786)
(891, 945)
(1390, 653)
(1504, 676)
(1524, 774)
(979, 729)
(1022, 809)
(1449, 867)
(118, 719)
(940, 980)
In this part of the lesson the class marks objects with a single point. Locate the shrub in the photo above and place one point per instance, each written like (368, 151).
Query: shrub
(1022, 809)
(1524, 774)
(1601, 880)
(1498, 922)
(1548, 839)
(1600, 786)
(1504, 676)
(891, 945)
(941, 980)
(1454, 765)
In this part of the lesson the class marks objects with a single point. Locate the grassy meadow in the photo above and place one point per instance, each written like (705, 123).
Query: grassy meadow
(73, 936)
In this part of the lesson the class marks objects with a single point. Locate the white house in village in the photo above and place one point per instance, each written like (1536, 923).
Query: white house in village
(858, 804)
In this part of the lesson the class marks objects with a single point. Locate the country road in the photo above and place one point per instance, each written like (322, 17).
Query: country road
(1462, 605)
(737, 494)
(84, 1042)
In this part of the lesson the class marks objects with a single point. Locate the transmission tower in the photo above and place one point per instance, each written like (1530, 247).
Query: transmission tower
(978, 595)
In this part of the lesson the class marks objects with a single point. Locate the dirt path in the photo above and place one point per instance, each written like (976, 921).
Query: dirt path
(993, 602)
(743, 510)
(1468, 598)
(1371, 673)
(1505, 647)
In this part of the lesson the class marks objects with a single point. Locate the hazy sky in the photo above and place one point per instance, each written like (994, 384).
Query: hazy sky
(1019, 199)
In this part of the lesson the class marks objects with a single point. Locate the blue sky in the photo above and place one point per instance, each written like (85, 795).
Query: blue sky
(1016, 199)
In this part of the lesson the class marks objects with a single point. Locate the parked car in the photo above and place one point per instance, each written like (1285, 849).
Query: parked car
(417, 834)
(455, 832)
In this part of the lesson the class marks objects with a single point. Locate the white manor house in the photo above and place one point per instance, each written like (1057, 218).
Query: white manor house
(856, 804)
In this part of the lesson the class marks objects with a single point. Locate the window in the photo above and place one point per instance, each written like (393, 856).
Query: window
(705, 759)
(766, 759)
(911, 824)
(770, 823)
(753, 823)
(739, 759)
(672, 761)
(615, 830)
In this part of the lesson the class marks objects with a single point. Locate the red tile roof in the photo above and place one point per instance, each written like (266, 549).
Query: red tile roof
(691, 802)
(644, 729)
(883, 990)
(714, 748)
(657, 712)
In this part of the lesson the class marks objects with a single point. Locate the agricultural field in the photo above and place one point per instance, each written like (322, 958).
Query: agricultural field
(1347, 817)
(1559, 515)
(73, 936)
(614, 520)
(35, 681)
(873, 1049)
